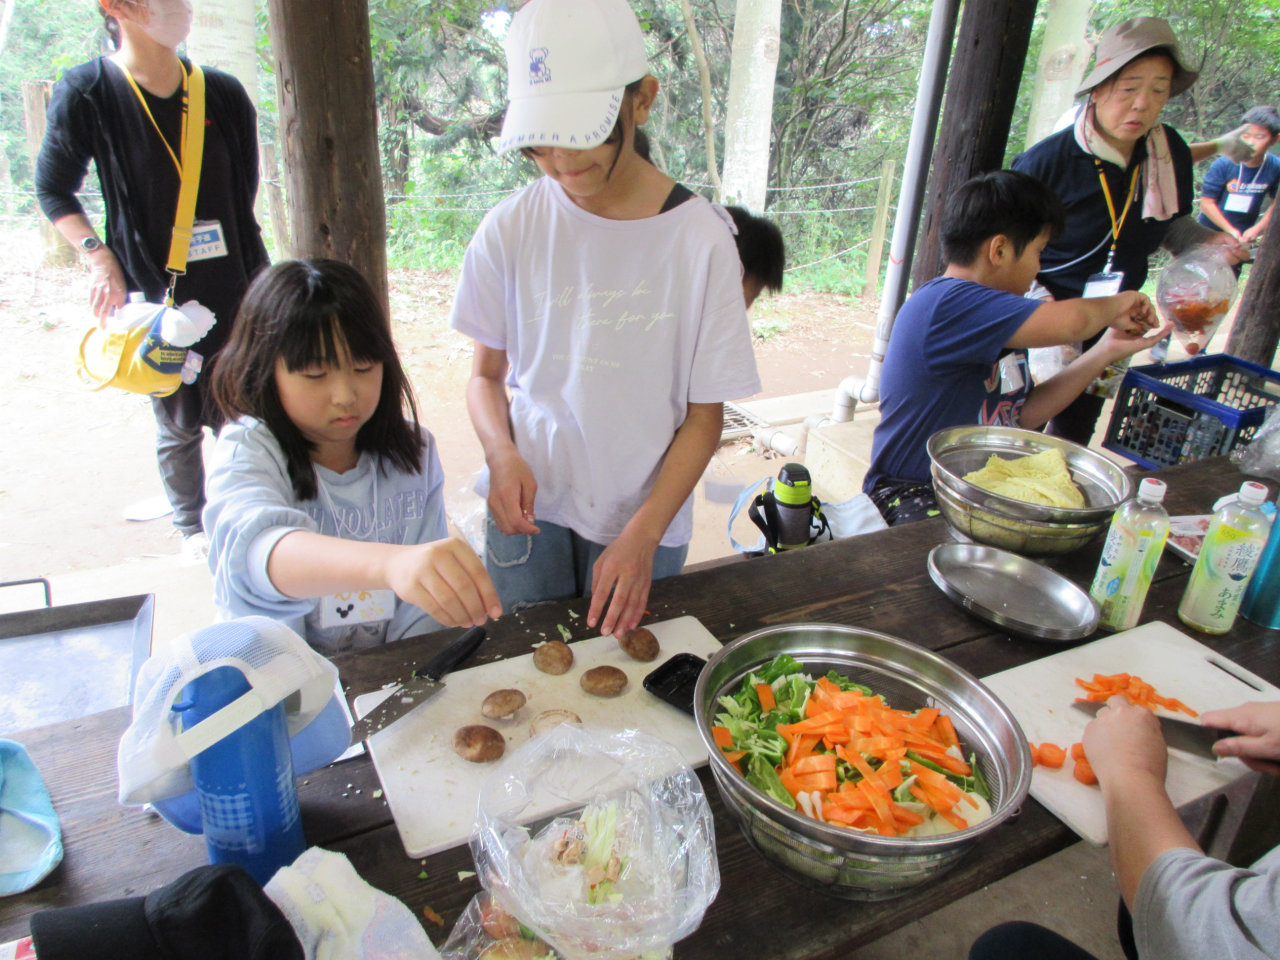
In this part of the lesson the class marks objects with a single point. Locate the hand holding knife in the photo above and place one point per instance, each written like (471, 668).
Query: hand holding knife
(1194, 738)
(424, 684)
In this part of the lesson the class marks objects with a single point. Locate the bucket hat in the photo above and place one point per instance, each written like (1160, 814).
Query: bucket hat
(568, 63)
(1129, 40)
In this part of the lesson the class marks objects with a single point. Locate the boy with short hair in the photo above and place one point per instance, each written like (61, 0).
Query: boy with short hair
(1233, 193)
(762, 252)
(958, 351)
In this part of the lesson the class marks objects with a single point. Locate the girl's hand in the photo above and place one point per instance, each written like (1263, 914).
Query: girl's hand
(447, 580)
(1124, 741)
(106, 284)
(1258, 726)
(512, 489)
(625, 569)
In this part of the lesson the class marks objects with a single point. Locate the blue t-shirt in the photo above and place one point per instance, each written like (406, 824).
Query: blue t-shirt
(1227, 179)
(943, 368)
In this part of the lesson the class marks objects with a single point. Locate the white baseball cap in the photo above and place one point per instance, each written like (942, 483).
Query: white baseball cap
(568, 63)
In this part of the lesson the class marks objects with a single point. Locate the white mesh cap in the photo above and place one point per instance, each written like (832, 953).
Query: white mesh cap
(153, 761)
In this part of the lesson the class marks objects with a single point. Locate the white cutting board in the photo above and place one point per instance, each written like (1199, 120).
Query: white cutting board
(432, 791)
(1040, 695)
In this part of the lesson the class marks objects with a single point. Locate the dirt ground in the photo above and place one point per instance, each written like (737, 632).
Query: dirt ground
(74, 459)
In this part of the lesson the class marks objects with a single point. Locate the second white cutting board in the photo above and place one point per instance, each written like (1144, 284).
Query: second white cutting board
(1040, 695)
(432, 791)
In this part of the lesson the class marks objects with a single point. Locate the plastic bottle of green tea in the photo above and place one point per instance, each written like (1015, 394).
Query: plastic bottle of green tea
(1129, 557)
(1232, 546)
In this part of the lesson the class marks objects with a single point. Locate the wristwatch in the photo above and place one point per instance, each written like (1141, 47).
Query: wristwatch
(90, 244)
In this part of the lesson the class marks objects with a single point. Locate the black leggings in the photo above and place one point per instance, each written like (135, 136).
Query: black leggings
(1020, 940)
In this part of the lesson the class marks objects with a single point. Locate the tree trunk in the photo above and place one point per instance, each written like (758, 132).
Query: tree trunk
(704, 75)
(35, 103)
(982, 89)
(1063, 58)
(225, 35)
(329, 134)
(753, 68)
(1256, 329)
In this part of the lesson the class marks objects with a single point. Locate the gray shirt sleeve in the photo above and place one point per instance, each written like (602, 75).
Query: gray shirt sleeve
(1192, 907)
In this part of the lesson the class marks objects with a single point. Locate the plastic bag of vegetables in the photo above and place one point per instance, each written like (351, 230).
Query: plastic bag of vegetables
(589, 843)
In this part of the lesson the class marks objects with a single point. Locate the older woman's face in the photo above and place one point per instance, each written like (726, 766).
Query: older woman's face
(1128, 105)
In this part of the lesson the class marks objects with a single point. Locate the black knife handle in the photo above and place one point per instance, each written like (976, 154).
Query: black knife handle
(457, 651)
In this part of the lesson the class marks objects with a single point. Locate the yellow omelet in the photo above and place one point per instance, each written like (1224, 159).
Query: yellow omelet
(1041, 478)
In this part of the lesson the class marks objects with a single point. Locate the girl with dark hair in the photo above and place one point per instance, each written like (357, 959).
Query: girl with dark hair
(606, 305)
(126, 113)
(326, 506)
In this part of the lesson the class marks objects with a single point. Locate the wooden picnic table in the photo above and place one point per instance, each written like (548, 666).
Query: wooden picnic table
(878, 581)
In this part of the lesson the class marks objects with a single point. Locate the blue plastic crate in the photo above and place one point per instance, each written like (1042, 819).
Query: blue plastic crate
(1179, 412)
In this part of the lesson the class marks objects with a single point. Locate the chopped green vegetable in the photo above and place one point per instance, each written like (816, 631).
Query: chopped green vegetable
(422, 875)
(564, 632)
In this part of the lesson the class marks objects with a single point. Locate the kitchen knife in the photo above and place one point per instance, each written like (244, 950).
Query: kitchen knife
(422, 686)
(1179, 734)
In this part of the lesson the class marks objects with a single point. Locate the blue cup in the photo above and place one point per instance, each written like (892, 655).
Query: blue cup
(244, 782)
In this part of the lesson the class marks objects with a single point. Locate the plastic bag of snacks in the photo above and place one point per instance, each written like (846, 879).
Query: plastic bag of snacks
(588, 843)
(1195, 291)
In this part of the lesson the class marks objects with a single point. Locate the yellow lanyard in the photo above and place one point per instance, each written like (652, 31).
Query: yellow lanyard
(1116, 226)
(188, 163)
(147, 110)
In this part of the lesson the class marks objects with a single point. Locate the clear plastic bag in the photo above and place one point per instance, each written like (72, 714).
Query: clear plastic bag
(624, 867)
(1261, 458)
(1195, 292)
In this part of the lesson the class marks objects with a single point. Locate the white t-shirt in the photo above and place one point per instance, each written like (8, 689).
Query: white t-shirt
(611, 328)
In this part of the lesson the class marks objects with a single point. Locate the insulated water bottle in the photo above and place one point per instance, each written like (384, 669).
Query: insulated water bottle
(248, 800)
(789, 512)
(1261, 602)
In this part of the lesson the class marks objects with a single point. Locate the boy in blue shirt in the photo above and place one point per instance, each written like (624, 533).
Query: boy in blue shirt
(958, 351)
(1233, 193)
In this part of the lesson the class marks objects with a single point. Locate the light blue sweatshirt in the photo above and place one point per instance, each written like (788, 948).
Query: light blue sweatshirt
(252, 504)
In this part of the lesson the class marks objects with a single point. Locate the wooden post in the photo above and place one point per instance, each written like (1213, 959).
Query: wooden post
(1256, 328)
(982, 90)
(35, 103)
(329, 133)
(875, 251)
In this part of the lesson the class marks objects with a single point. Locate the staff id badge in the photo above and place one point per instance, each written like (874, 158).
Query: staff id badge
(207, 241)
(357, 606)
(1104, 284)
(1238, 203)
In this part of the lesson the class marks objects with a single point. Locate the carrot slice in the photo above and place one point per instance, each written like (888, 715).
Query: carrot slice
(1077, 751)
(815, 763)
(767, 700)
(1050, 755)
(722, 737)
(1083, 772)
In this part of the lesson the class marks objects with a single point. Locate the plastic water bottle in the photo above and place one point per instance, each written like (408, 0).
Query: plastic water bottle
(248, 800)
(1261, 602)
(1231, 549)
(1129, 557)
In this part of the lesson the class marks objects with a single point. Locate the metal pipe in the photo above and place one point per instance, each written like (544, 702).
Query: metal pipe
(906, 224)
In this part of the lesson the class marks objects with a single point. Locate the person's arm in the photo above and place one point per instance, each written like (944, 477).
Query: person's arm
(512, 486)
(625, 569)
(1209, 207)
(1056, 322)
(445, 577)
(1259, 228)
(1051, 397)
(107, 287)
(1126, 751)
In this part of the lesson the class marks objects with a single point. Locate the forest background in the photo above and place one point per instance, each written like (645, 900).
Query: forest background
(843, 101)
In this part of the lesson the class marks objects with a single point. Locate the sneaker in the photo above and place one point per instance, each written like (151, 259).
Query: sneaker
(195, 550)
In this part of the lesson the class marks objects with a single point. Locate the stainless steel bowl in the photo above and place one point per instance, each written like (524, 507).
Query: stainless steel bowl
(1016, 525)
(843, 862)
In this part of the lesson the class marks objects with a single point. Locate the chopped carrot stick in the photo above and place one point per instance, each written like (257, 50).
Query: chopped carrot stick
(765, 693)
(722, 737)
(1083, 772)
(815, 763)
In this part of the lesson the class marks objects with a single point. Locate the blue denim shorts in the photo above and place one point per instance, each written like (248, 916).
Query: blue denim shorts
(554, 564)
